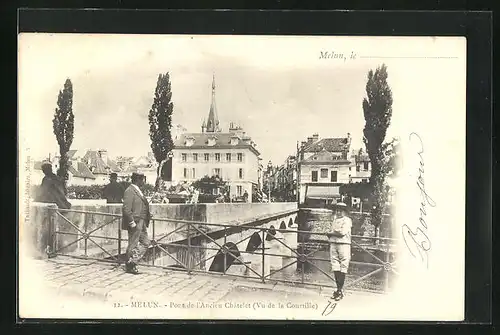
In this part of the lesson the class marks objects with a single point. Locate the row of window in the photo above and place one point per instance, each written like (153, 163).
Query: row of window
(324, 174)
(239, 190)
(365, 167)
(191, 173)
(217, 157)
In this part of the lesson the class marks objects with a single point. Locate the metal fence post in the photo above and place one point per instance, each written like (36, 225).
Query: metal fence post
(154, 245)
(189, 248)
(224, 250)
(387, 272)
(85, 236)
(119, 240)
(263, 253)
(52, 242)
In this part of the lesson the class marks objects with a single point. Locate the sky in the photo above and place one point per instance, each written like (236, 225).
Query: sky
(280, 91)
(277, 88)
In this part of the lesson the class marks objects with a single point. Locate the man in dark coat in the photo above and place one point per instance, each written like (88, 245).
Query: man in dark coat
(135, 220)
(52, 189)
(113, 192)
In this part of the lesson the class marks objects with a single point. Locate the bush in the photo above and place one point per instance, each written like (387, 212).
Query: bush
(85, 192)
(92, 191)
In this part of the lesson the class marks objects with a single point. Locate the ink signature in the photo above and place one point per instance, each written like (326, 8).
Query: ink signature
(330, 307)
(417, 241)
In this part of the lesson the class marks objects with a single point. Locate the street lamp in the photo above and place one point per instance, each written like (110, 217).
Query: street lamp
(269, 169)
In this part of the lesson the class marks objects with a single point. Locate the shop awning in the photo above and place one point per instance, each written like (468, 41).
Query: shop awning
(323, 192)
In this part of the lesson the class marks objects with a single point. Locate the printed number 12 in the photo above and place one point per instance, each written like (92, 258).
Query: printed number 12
(329, 308)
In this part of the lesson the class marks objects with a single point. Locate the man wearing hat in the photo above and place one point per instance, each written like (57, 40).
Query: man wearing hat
(340, 246)
(52, 188)
(135, 220)
(113, 192)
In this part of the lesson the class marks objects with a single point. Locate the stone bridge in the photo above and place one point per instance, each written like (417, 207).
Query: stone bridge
(194, 237)
(256, 241)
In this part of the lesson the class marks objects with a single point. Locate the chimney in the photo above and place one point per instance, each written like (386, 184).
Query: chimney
(303, 144)
(309, 140)
(315, 137)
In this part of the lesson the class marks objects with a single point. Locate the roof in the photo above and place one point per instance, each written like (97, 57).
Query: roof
(71, 153)
(84, 171)
(329, 144)
(81, 171)
(93, 160)
(74, 172)
(148, 161)
(131, 169)
(326, 157)
(223, 141)
(113, 166)
(124, 159)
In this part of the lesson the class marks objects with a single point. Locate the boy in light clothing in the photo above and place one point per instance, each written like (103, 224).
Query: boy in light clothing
(340, 247)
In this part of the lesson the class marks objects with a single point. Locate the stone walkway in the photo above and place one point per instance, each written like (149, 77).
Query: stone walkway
(83, 287)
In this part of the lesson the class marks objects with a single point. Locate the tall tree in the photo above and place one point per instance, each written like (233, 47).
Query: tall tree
(160, 122)
(63, 124)
(377, 109)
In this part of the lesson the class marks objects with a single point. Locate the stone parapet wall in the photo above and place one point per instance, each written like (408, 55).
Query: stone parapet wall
(227, 212)
(105, 230)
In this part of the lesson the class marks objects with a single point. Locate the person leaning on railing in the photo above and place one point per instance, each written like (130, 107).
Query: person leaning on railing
(340, 246)
(52, 188)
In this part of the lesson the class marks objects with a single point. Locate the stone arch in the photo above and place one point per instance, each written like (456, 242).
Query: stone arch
(218, 262)
(282, 225)
(254, 242)
(290, 222)
(295, 219)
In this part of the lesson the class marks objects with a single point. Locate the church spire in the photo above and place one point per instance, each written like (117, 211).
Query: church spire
(213, 119)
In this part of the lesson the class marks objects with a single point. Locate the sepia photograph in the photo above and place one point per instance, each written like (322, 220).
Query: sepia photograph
(241, 177)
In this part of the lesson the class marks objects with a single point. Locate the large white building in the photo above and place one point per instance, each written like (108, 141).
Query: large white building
(231, 155)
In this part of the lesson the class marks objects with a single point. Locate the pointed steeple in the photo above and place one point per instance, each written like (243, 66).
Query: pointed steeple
(213, 119)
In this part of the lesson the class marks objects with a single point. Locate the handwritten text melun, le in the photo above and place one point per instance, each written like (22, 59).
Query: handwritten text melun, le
(334, 55)
(417, 240)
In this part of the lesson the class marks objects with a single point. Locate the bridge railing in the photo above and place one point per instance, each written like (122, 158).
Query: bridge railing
(253, 249)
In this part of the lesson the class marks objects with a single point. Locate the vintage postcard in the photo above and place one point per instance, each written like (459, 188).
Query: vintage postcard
(241, 177)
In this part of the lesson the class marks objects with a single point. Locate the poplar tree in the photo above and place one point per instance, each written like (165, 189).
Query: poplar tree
(160, 122)
(377, 109)
(63, 124)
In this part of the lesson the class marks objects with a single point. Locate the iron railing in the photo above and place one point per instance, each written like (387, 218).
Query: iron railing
(191, 245)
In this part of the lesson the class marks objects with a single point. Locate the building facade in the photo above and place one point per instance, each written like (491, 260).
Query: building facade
(286, 180)
(324, 165)
(231, 155)
(363, 168)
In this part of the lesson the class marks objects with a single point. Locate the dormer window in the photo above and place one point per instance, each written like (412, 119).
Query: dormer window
(189, 141)
(234, 140)
(211, 140)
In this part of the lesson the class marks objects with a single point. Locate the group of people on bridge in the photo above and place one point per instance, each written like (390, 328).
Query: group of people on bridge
(136, 217)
